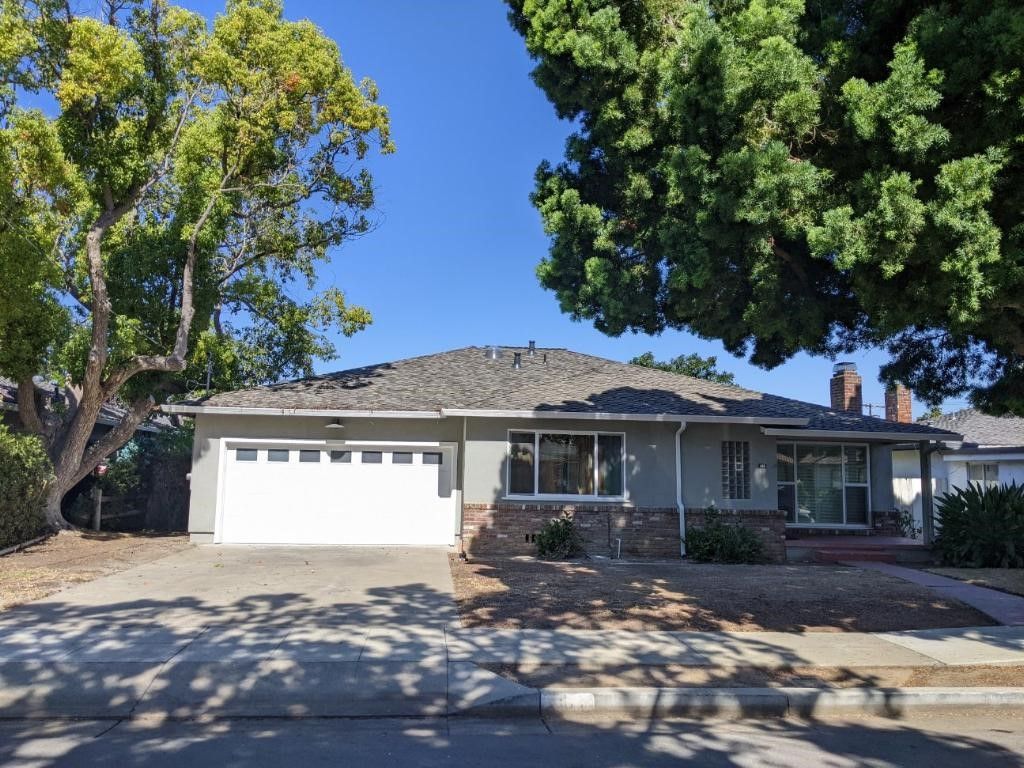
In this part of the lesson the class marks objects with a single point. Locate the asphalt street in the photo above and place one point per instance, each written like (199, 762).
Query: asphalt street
(979, 740)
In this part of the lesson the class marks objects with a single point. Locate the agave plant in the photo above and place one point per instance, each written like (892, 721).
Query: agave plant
(982, 527)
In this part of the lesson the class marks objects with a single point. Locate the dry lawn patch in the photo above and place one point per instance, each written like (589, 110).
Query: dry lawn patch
(527, 593)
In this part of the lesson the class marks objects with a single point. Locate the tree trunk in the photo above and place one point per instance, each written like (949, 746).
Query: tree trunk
(54, 517)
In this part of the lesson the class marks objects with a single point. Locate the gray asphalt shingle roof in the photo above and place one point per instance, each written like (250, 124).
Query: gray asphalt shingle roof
(551, 380)
(981, 429)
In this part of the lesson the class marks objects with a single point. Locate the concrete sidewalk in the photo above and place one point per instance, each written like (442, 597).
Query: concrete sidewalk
(342, 670)
(1005, 608)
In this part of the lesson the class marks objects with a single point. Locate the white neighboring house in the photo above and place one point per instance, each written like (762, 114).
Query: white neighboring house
(992, 453)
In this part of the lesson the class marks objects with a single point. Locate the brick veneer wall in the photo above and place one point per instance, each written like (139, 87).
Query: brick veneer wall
(511, 529)
(768, 524)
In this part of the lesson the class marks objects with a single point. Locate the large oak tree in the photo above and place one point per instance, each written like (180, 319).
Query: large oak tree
(164, 180)
(794, 176)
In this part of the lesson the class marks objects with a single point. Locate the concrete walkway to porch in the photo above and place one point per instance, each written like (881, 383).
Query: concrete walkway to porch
(1005, 608)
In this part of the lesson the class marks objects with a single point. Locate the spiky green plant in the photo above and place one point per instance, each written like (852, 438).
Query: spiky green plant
(982, 527)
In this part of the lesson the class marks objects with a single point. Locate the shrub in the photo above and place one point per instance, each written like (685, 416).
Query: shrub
(982, 528)
(717, 541)
(25, 472)
(559, 539)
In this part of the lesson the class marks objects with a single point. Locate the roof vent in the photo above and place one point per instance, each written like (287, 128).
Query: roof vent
(517, 360)
(532, 349)
(844, 368)
(493, 353)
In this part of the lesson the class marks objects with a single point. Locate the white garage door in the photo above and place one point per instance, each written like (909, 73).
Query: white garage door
(395, 495)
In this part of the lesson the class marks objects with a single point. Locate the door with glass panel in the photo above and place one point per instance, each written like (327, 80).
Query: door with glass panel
(823, 484)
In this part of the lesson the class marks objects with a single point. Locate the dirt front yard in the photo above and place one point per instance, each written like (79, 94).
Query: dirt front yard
(527, 593)
(1004, 579)
(71, 557)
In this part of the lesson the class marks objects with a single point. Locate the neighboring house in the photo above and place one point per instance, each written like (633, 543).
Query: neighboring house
(110, 413)
(991, 453)
(480, 446)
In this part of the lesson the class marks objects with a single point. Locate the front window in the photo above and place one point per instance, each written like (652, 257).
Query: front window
(985, 475)
(823, 484)
(587, 464)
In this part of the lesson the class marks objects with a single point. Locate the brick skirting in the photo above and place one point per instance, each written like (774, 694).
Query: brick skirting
(511, 529)
(768, 524)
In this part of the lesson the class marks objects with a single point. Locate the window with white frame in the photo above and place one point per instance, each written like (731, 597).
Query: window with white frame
(985, 475)
(735, 469)
(823, 484)
(586, 464)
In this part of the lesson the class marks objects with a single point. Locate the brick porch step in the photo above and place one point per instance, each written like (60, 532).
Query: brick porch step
(849, 554)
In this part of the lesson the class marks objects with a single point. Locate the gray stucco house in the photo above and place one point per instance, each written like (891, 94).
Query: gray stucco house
(478, 447)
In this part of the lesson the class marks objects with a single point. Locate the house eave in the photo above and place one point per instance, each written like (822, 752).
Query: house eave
(837, 434)
(226, 410)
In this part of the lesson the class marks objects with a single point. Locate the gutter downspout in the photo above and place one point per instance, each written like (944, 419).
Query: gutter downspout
(679, 489)
(927, 497)
(462, 489)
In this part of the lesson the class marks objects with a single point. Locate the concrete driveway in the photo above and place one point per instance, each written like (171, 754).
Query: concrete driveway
(225, 602)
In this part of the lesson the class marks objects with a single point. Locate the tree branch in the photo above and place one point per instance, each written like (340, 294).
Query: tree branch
(28, 411)
(115, 438)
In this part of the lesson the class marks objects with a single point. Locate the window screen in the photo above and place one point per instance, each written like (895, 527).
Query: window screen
(520, 476)
(735, 469)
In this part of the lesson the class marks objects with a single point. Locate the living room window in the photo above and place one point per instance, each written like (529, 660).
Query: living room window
(566, 464)
(823, 484)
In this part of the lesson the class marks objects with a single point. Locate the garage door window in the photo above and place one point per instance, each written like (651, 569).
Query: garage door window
(401, 457)
(371, 457)
(341, 457)
(309, 457)
(246, 454)
(277, 454)
(432, 458)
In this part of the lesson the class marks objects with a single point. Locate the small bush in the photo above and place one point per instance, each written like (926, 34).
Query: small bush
(982, 528)
(25, 472)
(717, 541)
(559, 539)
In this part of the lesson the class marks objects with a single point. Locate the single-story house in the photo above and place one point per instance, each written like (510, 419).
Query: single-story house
(990, 453)
(478, 447)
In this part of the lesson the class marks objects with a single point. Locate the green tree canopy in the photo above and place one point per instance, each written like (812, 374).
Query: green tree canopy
(155, 221)
(688, 365)
(788, 176)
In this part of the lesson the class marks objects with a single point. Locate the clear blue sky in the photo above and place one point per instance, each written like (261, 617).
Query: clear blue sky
(452, 261)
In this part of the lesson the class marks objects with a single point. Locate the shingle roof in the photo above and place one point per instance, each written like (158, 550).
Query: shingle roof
(551, 380)
(981, 429)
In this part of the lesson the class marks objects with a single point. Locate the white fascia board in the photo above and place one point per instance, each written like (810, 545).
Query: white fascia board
(838, 434)
(674, 418)
(217, 410)
(990, 457)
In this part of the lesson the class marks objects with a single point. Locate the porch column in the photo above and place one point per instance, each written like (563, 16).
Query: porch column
(927, 503)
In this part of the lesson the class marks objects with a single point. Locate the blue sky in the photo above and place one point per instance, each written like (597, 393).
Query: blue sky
(452, 261)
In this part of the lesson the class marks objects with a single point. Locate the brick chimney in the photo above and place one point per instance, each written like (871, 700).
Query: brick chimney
(898, 405)
(845, 388)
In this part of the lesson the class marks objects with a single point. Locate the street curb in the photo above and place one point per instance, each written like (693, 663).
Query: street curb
(652, 703)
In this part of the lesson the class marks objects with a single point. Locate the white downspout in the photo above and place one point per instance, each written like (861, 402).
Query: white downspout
(679, 489)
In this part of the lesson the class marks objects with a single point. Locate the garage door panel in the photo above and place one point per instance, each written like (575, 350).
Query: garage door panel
(327, 502)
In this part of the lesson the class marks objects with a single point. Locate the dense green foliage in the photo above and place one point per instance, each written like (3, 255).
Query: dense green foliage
(688, 365)
(559, 539)
(790, 176)
(982, 527)
(24, 473)
(164, 217)
(718, 541)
